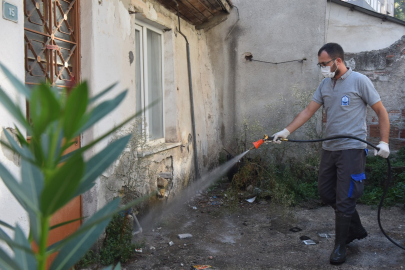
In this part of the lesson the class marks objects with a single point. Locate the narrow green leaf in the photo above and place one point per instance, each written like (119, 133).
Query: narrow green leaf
(105, 91)
(88, 146)
(13, 244)
(2, 223)
(76, 105)
(65, 223)
(35, 225)
(6, 263)
(118, 266)
(100, 162)
(87, 225)
(26, 260)
(44, 108)
(101, 111)
(24, 152)
(16, 189)
(21, 138)
(60, 187)
(13, 109)
(16, 82)
(36, 150)
(108, 267)
(32, 185)
(32, 181)
(77, 246)
(4, 235)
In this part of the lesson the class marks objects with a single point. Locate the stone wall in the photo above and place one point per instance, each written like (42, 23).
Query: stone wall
(386, 69)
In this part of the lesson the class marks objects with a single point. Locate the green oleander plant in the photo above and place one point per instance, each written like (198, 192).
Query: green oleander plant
(50, 178)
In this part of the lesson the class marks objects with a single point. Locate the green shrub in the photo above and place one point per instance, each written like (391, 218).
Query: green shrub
(117, 244)
(376, 176)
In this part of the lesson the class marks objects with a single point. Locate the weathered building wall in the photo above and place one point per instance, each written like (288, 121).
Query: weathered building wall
(385, 68)
(12, 56)
(108, 41)
(262, 93)
(359, 32)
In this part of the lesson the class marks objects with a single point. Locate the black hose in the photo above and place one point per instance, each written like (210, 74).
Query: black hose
(386, 185)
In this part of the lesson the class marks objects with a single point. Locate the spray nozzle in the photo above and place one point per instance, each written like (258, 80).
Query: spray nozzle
(261, 141)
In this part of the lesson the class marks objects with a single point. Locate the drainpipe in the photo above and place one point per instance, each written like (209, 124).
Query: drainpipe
(190, 86)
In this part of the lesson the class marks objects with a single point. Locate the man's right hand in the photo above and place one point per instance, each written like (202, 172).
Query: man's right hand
(281, 134)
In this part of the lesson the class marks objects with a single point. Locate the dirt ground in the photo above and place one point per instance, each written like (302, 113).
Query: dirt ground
(258, 235)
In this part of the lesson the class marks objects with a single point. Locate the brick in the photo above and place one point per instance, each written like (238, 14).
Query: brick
(403, 113)
(324, 119)
(394, 132)
(396, 144)
(390, 56)
(374, 131)
(402, 133)
(395, 114)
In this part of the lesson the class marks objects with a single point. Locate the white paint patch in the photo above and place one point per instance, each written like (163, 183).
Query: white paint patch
(152, 15)
(125, 20)
(106, 19)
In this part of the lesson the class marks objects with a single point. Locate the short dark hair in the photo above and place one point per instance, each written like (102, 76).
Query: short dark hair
(334, 50)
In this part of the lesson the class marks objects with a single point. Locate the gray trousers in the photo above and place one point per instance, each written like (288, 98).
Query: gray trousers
(341, 178)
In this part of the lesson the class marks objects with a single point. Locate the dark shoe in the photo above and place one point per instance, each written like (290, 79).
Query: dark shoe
(356, 230)
(342, 223)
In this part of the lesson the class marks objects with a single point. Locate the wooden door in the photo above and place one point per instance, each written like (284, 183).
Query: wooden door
(73, 210)
(52, 54)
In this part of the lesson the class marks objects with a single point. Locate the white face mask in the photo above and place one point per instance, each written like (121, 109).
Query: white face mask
(325, 71)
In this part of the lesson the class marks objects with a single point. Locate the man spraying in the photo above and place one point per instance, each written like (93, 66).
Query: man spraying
(345, 95)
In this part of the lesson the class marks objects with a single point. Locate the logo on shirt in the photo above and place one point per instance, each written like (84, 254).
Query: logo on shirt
(345, 101)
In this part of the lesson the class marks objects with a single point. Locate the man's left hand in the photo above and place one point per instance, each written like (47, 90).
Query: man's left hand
(384, 150)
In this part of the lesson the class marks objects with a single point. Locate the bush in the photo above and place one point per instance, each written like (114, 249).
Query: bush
(294, 181)
(117, 244)
(287, 183)
(376, 175)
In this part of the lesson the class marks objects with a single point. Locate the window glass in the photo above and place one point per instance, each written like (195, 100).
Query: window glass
(138, 77)
(155, 91)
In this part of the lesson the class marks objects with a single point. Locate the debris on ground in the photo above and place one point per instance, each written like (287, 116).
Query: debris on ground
(309, 242)
(201, 266)
(295, 229)
(251, 199)
(184, 236)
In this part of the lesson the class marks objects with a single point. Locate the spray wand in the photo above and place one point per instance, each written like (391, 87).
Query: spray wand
(267, 139)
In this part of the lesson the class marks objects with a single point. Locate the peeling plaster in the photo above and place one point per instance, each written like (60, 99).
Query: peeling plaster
(106, 25)
(125, 20)
(152, 14)
(10, 155)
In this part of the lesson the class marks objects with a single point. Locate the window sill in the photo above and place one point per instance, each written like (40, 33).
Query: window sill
(159, 148)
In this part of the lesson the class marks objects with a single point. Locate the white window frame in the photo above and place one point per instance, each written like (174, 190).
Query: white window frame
(142, 28)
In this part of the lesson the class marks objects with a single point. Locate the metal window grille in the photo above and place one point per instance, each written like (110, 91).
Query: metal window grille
(52, 42)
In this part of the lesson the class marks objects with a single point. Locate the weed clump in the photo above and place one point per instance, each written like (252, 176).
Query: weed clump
(117, 244)
(376, 176)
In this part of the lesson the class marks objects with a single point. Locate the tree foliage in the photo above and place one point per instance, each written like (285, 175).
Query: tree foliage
(399, 11)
